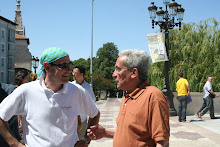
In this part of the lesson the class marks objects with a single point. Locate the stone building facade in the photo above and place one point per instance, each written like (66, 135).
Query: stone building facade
(7, 50)
(14, 51)
(22, 54)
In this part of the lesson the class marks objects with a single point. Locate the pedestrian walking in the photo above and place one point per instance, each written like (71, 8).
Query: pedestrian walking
(143, 119)
(203, 104)
(208, 95)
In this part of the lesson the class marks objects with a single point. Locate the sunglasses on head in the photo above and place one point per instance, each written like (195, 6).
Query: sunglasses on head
(62, 65)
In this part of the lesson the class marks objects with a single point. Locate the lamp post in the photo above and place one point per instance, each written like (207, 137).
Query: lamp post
(91, 48)
(35, 63)
(166, 21)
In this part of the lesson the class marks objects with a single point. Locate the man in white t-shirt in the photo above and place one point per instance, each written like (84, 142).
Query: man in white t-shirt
(49, 106)
(207, 89)
(78, 76)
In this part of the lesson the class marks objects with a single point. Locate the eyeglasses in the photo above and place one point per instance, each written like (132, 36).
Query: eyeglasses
(76, 73)
(62, 65)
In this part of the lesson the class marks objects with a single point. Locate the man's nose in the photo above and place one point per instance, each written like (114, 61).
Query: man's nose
(114, 74)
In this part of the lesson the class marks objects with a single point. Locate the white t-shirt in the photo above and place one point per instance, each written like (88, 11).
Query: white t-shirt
(49, 119)
(89, 89)
(206, 88)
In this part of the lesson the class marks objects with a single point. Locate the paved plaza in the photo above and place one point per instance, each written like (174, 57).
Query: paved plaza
(196, 133)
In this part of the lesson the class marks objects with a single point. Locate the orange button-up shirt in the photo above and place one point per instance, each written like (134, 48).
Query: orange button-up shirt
(143, 118)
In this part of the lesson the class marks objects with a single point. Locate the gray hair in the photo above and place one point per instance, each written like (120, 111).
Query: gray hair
(209, 78)
(139, 59)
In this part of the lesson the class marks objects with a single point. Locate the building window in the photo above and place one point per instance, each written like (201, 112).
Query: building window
(2, 76)
(10, 63)
(11, 49)
(3, 48)
(11, 35)
(3, 34)
(10, 76)
(2, 62)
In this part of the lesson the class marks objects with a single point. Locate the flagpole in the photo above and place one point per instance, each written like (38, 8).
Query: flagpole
(91, 48)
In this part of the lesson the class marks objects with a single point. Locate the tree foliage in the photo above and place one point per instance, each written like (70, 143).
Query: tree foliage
(103, 67)
(106, 58)
(195, 51)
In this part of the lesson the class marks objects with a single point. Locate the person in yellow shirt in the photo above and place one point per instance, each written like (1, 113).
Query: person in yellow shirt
(182, 86)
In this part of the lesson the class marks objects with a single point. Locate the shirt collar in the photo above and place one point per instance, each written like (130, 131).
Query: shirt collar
(78, 83)
(137, 90)
(63, 90)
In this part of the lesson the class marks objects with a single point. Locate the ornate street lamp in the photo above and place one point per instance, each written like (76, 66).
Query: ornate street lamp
(166, 21)
(35, 63)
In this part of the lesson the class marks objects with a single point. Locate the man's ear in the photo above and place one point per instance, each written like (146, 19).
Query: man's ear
(135, 73)
(46, 66)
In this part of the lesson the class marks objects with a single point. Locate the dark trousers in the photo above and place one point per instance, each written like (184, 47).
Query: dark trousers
(182, 101)
(209, 107)
(211, 110)
(203, 106)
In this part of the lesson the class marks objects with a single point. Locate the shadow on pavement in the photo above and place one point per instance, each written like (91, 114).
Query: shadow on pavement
(196, 120)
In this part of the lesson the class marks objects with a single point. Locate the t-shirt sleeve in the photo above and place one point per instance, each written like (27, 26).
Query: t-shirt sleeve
(12, 105)
(160, 129)
(186, 81)
(209, 86)
(92, 94)
(89, 107)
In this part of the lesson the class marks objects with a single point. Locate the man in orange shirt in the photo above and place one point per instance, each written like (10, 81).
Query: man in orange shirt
(143, 119)
(182, 86)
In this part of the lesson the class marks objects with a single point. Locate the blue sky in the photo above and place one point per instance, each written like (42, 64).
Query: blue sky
(67, 23)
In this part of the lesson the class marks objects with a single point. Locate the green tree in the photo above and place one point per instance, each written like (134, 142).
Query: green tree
(102, 83)
(195, 51)
(106, 58)
(103, 67)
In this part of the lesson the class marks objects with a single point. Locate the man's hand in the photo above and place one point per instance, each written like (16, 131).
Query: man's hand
(21, 145)
(5, 133)
(163, 143)
(212, 92)
(17, 145)
(96, 132)
(80, 143)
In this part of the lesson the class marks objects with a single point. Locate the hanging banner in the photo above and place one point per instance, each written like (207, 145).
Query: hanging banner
(157, 47)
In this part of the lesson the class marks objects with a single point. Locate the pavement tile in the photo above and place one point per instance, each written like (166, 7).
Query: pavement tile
(187, 135)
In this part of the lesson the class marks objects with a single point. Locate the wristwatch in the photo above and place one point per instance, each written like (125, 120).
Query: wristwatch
(86, 140)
